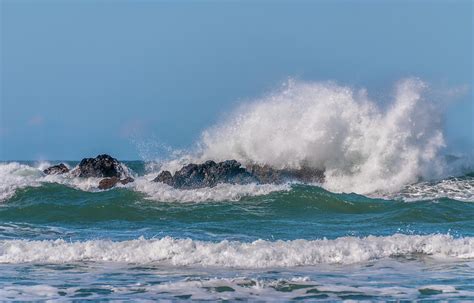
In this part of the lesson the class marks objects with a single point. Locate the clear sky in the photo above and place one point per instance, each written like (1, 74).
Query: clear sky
(80, 78)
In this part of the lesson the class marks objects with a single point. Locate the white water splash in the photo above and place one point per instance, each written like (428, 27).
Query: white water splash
(363, 147)
(14, 176)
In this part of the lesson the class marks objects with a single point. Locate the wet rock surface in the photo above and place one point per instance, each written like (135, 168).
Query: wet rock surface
(108, 183)
(266, 174)
(101, 166)
(56, 169)
(210, 173)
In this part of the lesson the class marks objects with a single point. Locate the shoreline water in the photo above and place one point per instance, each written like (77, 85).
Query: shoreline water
(62, 238)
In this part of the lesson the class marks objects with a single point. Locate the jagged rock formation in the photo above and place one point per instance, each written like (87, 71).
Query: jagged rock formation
(102, 166)
(210, 173)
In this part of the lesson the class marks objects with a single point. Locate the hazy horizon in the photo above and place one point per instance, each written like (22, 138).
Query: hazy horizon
(137, 79)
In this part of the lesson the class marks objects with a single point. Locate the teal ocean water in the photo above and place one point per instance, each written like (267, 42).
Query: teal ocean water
(62, 238)
(392, 220)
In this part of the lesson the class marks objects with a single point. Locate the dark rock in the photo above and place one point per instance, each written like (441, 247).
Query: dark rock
(56, 169)
(100, 167)
(127, 180)
(108, 183)
(267, 174)
(305, 175)
(210, 173)
(164, 177)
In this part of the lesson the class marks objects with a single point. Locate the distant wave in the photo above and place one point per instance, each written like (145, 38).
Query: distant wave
(457, 188)
(258, 254)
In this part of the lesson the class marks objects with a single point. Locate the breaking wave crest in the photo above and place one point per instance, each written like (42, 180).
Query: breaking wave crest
(14, 176)
(258, 254)
(221, 192)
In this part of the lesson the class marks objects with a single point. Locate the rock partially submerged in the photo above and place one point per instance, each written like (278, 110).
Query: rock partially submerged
(266, 174)
(210, 173)
(56, 169)
(108, 183)
(102, 166)
(191, 176)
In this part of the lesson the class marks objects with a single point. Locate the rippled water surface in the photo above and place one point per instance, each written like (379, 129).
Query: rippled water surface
(61, 238)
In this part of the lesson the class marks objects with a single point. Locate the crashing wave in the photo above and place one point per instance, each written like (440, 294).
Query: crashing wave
(257, 254)
(361, 146)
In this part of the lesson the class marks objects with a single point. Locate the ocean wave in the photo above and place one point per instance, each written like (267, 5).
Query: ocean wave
(257, 254)
(363, 147)
(221, 192)
(14, 176)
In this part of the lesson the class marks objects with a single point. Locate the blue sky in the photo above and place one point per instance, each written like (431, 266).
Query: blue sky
(80, 78)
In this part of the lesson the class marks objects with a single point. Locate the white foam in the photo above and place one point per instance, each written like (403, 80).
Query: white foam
(28, 292)
(461, 189)
(14, 176)
(258, 254)
(335, 286)
(222, 192)
(363, 147)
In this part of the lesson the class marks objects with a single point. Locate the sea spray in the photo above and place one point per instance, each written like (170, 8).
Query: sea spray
(363, 147)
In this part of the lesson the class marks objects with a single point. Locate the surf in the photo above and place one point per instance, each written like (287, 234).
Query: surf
(257, 254)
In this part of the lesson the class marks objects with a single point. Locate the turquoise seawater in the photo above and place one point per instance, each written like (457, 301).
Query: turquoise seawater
(64, 239)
